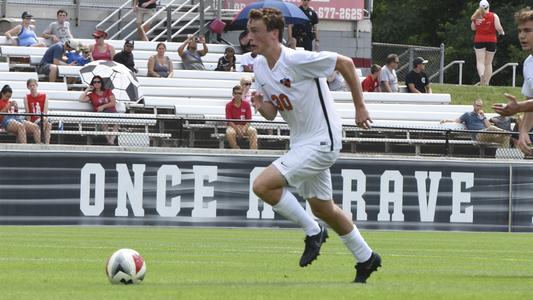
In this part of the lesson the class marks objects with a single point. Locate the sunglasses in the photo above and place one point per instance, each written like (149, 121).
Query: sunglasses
(248, 83)
(97, 81)
(97, 37)
(238, 93)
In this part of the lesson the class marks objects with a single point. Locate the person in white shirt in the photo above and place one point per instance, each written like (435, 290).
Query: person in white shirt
(387, 77)
(247, 61)
(58, 31)
(293, 83)
(524, 19)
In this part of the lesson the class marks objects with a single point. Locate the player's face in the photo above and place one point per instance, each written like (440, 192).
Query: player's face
(260, 38)
(525, 35)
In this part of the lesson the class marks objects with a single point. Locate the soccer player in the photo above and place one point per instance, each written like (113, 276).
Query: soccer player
(524, 19)
(294, 84)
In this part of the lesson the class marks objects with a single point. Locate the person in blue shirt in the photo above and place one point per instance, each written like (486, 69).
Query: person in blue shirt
(54, 57)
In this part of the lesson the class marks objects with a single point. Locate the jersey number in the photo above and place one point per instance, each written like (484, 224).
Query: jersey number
(282, 102)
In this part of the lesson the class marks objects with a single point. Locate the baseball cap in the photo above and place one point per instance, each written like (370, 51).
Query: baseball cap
(71, 43)
(99, 33)
(26, 15)
(419, 60)
(129, 43)
(484, 4)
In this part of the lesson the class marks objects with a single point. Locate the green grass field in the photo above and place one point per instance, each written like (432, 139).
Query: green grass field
(221, 263)
(466, 94)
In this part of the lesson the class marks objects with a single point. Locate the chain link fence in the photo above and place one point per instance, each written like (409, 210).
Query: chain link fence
(407, 54)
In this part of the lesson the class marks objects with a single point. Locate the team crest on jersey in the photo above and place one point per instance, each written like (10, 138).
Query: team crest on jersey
(286, 82)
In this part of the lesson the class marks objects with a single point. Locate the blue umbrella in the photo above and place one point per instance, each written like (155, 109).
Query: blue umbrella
(292, 13)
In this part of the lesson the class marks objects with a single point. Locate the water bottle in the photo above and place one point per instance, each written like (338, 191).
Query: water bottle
(38, 108)
(60, 126)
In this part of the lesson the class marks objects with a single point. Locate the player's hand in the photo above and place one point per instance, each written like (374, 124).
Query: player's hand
(524, 143)
(508, 109)
(362, 118)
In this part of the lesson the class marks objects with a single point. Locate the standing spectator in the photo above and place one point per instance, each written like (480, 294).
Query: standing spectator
(305, 33)
(102, 100)
(237, 109)
(160, 65)
(485, 24)
(25, 32)
(417, 80)
(227, 62)
(101, 50)
(371, 81)
(125, 56)
(387, 76)
(524, 19)
(37, 103)
(14, 123)
(54, 57)
(476, 120)
(58, 31)
(192, 57)
(144, 10)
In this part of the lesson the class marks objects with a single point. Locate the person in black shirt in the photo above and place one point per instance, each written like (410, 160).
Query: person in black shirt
(125, 56)
(417, 80)
(305, 33)
(227, 62)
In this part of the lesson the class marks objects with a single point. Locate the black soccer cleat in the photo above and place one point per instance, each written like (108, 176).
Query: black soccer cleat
(365, 269)
(312, 246)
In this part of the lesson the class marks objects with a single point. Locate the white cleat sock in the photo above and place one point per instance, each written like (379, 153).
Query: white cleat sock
(290, 208)
(357, 245)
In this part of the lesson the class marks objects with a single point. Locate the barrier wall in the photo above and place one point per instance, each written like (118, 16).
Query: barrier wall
(214, 189)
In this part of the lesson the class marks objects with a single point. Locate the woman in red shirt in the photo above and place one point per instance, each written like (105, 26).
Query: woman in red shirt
(13, 123)
(371, 82)
(485, 24)
(102, 100)
(37, 103)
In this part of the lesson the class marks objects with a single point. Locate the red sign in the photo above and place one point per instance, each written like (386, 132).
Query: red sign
(326, 9)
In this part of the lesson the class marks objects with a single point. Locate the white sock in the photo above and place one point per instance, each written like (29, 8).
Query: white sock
(290, 208)
(355, 242)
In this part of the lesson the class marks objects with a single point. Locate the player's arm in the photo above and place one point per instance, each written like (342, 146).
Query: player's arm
(512, 107)
(265, 108)
(524, 142)
(347, 69)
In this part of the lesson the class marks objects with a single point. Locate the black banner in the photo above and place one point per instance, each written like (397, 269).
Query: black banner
(210, 189)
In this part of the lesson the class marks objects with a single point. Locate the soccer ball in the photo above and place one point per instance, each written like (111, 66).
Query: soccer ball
(125, 266)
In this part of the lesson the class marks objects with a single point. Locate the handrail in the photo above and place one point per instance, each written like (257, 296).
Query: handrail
(513, 65)
(459, 62)
(188, 23)
(164, 8)
(113, 14)
(164, 31)
(187, 2)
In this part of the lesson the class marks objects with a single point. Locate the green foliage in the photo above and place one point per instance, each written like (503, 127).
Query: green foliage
(430, 23)
(221, 263)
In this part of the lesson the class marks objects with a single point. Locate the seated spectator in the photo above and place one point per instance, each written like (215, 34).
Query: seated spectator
(14, 123)
(371, 81)
(37, 103)
(246, 83)
(192, 57)
(387, 77)
(227, 62)
(54, 57)
(101, 50)
(417, 80)
(244, 42)
(25, 32)
(125, 56)
(237, 109)
(80, 56)
(477, 121)
(248, 61)
(160, 65)
(58, 31)
(336, 82)
(102, 100)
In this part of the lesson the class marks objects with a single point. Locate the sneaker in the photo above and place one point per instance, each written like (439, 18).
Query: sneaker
(366, 268)
(312, 246)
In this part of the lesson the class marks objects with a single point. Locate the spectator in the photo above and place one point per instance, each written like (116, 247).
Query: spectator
(371, 81)
(160, 65)
(524, 20)
(248, 61)
(477, 121)
(227, 62)
(237, 109)
(144, 10)
(102, 100)
(192, 57)
(25, 32)
(485, 24)
(14, 123)
(37, 103)
(387, 77)
(291, 43)
(54, 57)
(417, 80)
(336, 82)
(81, 56)
(246, 84)
(101, 50)
(305, 33)
(125, 56)
(244, 42)
(58, 31)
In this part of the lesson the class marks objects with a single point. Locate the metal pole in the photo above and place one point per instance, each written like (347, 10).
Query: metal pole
(169, 24)
(514, 75)
(510, 197)
(460, 74)
(4, 8)
(441, 72)
(202, 17)
(76, 12)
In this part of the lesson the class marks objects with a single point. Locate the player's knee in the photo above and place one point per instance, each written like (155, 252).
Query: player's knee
(259, 189)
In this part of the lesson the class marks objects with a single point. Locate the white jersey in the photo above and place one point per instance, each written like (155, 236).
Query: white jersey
(527, 87)
(297, 87)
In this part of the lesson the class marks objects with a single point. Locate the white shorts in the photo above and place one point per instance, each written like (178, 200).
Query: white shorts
(307, 169)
